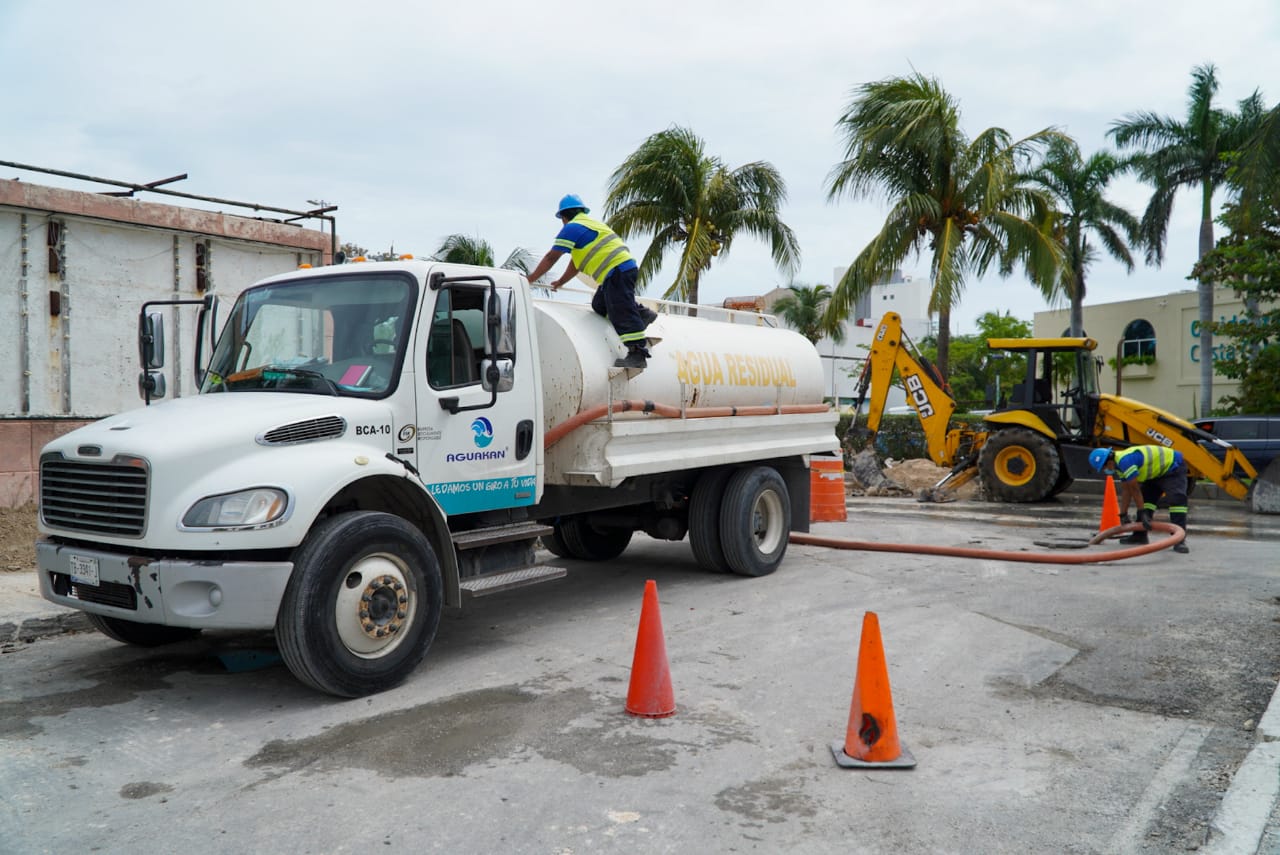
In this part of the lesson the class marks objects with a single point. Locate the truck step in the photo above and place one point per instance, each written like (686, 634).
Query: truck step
(480, 586)
(499, 534)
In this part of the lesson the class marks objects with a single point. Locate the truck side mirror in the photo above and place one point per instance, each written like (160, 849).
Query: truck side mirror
(497, 375)
(152, 341)
(150, 385)
(502, 322)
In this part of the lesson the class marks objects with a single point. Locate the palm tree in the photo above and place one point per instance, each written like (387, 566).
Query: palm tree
(804, 310)
(1172, 155)
(958, 198)
(463, 249)
(1256, 171)
(1077, 186)
(670, 187)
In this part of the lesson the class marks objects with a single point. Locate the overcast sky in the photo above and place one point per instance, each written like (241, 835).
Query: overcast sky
(420, 119)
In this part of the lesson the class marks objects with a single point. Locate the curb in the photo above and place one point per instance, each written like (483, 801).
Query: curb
(33, 628)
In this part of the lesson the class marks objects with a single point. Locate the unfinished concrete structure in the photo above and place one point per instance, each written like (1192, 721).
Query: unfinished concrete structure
(76, 267)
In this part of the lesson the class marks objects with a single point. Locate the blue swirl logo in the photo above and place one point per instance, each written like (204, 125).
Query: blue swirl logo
(483, 429)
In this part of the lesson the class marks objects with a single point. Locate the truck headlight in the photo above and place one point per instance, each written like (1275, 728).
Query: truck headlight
(260, 506)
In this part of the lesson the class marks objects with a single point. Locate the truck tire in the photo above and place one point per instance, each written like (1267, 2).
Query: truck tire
(1019, 465)
(555, 544)
(588, 543)
(704, 520)
(755, 521)
(362, 606)
(140, 634)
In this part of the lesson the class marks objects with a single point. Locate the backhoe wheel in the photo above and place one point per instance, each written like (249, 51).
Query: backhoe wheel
(755, 521)
(589, 543)
(140, 634)
(704, 520)
(1019, 465)
(362, 605)
(1064, 481)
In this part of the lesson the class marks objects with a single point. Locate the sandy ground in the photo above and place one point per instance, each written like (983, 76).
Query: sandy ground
(17, 538)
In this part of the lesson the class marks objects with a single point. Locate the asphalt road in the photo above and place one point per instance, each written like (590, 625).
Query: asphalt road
(1099, 708)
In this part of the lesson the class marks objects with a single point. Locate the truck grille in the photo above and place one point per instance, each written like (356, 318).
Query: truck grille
(103, 498)
(107, 593)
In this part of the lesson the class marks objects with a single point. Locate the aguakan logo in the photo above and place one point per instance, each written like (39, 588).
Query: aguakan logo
(483, 429)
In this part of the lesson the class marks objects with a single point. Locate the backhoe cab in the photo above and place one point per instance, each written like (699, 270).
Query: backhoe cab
(1038, 439)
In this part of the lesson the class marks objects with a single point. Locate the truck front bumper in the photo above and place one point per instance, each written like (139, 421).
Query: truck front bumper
(198, 594)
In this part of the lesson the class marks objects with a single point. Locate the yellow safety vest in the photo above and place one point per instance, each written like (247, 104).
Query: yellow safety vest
(598, 258)
(1156, 461)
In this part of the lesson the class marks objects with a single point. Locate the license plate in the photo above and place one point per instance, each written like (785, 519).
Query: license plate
(84, 571)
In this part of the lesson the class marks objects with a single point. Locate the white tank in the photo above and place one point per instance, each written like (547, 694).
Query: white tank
(697, 363)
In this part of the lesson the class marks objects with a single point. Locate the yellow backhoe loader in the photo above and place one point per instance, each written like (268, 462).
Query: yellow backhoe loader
(1038, 441)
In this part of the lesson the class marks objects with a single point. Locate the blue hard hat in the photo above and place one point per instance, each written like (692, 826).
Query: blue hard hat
(571, 201)
(1098, 458)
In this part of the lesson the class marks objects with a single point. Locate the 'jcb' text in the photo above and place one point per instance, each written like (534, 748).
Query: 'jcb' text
(919, 396)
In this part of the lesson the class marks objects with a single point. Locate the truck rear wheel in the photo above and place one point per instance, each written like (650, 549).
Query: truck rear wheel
(755, 521)
(140, 634)
(585, 541)
(362, 606)
(1019, 465)
(704, 520)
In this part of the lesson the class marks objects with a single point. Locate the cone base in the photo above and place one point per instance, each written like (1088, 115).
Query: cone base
(905, 759)
(639, 714)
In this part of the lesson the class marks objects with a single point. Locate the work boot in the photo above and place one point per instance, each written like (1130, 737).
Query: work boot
(648, 315)
(636, 357)
(1138, 538)
(1182, 547)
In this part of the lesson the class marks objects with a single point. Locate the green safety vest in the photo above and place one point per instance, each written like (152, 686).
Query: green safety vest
(598, 258)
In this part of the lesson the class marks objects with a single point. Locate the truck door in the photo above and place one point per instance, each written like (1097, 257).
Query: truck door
(476, 440)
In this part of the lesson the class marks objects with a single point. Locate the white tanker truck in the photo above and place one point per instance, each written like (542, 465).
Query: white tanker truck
(374, 441)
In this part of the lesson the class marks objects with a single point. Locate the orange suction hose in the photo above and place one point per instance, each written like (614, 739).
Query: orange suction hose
(590, 414)
(1175, 533)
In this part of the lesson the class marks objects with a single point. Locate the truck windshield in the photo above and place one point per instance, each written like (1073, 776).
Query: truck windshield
(331, 335)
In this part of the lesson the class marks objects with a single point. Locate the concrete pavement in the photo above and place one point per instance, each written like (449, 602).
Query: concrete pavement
(1082, 706)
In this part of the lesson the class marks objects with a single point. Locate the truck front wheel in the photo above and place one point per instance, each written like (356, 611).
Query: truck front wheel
(140, 634)
(755, 521)
(362, 606)
(1019, 465)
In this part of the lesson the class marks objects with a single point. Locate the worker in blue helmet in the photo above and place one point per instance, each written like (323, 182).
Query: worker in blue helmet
(594, 249)
(1146, 473)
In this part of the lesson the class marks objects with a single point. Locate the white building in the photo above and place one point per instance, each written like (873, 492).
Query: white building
(842, 362)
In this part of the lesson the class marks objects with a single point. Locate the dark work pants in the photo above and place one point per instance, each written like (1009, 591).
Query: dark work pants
(1173, 486)
(616, 300)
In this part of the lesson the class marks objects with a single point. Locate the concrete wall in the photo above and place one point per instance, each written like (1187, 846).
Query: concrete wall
(1172, 381)
(75, 269)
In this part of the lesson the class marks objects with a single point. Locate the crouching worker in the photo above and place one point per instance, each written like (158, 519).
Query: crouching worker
(1146, 473)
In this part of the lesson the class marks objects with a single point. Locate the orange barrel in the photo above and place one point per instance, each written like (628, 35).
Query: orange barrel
(826, 490)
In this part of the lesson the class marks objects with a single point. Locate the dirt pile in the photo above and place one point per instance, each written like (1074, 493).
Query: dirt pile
(901, 478)
(17, 539)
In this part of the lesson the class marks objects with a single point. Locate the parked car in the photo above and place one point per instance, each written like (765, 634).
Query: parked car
(1257, 437)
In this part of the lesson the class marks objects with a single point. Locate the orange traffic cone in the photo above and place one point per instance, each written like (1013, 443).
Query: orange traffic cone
(650, 693)
(1110, 507)
(871, 739)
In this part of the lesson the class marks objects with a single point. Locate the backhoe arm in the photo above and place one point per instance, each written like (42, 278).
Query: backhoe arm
(925, 388)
